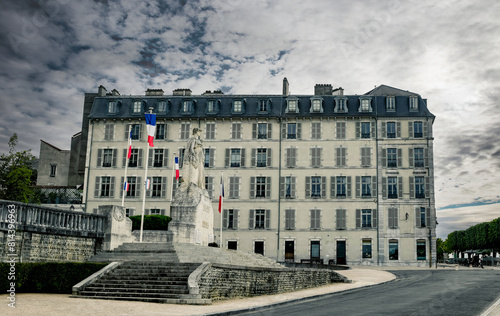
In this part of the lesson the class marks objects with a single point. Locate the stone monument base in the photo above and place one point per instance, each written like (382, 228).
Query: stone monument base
(192, 216)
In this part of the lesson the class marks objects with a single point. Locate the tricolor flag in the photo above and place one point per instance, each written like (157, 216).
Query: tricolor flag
(129, 145)
(151, 127)
(176, 168)
(126, 186)
(148, 183)
(221, 196)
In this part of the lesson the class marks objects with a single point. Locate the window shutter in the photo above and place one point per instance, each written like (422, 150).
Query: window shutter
(292, 189)
(269, 157)
(115, 155)
(400, 187)
(374, 218)
(358, 129)
(308, 187)
(400, 157)
(268, 187)
(99, 158)
(131, 212)
(294, 157)
(358, 186)
(412, 187)
(426, 157)
(372, 129)
(333, 185)
(411, 157)
(253, 159)
(165, 158)
(299, 130)
(224, 219)
(358, 218)
(97, 188)
(374, 186)
(228, 157)
(390, 217)
(348, 186)
(427, 217)
(283, 130)
(147, 211)
(427, 187)
(140, 131)
(254, 130)
(124, 162)
(323, 187)
(398, 129)
(287, 157)
(282, 187)
(269, 130)
(127, 127)
(242, 153)
(417, 217)
(121, 187)
(138, 186)
(384, 157)
(338, 160)
(163, 187)
(112, 188)
(410, 129)
(425, 129)
(313, 222)
(287, 218)
(384, 187)
(151, 157)
(236, 214)
(292, 220)
(139, 161)
(252, 187)
(211, 157)
(268, 219)
(384, 130)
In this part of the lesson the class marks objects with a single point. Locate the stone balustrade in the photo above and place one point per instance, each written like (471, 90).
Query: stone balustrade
(42, 219)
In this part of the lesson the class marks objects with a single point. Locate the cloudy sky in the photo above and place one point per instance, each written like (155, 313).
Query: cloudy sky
(54, 51)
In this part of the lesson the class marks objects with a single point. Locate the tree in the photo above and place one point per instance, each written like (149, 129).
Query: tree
(16, 173)
(441, 249)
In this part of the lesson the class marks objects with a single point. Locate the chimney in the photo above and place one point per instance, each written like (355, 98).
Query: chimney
(101, 91)
(115, 92)
(323, 89)
(181, 92)
(338, 91)
(286, 87)
(154, 92)
(215, 92)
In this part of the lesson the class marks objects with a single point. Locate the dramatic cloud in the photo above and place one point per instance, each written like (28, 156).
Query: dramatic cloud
(52, 52)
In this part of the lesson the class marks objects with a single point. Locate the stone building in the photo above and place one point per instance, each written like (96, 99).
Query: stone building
(318, 177)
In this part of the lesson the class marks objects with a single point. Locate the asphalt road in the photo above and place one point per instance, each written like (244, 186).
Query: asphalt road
(415, 292)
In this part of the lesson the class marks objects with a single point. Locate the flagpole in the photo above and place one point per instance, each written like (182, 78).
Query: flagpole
(221, 206)
(145, 181)
(173, 181)
(126, 166)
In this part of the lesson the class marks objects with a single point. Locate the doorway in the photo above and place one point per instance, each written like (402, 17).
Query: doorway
(341, 257)
(289, 250)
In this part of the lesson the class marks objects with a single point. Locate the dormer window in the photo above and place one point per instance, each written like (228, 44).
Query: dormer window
(112, 107)
(187, 107)
(292, 106)
(263, 106)
(365, 105)
(211, 107)
(316, 105)
(137, 107)
(162, 106)
(238, 107)
(413, 103)
(390, 104)
(341, 105)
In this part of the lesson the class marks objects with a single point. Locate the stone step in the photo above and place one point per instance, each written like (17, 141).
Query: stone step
(139, 283)
(131, 294)
(190, 301)
(170, 290)
(148, 278)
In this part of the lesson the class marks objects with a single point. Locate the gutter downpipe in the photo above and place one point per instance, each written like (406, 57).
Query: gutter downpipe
(279, 183)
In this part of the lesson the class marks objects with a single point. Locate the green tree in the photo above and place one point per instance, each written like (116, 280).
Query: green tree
(441, 249)
(16, 173)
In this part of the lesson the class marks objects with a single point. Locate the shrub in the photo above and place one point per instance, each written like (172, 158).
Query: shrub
(151, 222)
(47, 277)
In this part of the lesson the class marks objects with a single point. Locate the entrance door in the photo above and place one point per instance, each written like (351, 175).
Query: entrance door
(341, 259)
(289, 250)
(259, 247)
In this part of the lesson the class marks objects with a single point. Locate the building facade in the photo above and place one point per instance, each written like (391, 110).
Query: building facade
(323, 177)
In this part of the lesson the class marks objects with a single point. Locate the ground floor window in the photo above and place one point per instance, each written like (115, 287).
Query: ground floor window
(367, 248)
(315, 254)
(232, 244)
(421, 253)
(393, 250)
(259, 247)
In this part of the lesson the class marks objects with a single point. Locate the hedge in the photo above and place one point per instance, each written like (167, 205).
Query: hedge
(151, 222)
(47, 277)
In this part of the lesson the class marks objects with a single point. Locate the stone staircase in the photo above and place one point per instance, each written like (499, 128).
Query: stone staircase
(147, 281)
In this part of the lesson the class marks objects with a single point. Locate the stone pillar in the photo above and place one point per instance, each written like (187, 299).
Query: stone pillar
(118, 228)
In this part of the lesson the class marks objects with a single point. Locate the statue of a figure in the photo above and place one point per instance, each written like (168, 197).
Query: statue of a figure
(193, 165)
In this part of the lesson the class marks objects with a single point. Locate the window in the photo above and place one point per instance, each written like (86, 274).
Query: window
(315, 249)
(393, 218)
(106, 187)
(413, 103)
(259, 247)
(316, 157)
(366, 186)
(237, 106)
(210, 131)
(112, 107)
(367, 248)
(181, 157)
(234, 187)
(341, 130)
(109, 131)
(158, 157)
(260, 187)
(291, 131)
(341, 185)
(134, 186)
(185, 130)
(262, 131)
(365, 130)
(235, 157)
(340, 159)
(315, 187)
(419, 161)
(316, 106)
(261, 157)
(366, 218)
(366, 159)
(341, 105)
(263, 106)
(260, 219)
(232, 244)
(137, 107)
(155, 211)
(134, 158)
(207, 158)
(365, 105)
(156, 187)
(236, 131)
(392, 158)
(419, 188)
(340, 218)
(390, 104)
(393, 250)
(289, 219)
(136, 132)
(211, 109)
(230, 219)
(391, 129)
(162, 106)
(422, 217)
(315, 219)
(53, 169)
(392, 187)
(107, 157)
(291, 157)
(292, 106)
(421, 252)
(289, 187)
(209, 185)
(417, 130)
(160, 131)
(316, 130)
(187, 107)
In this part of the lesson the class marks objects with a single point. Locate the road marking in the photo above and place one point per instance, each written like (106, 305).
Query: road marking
(492, 308)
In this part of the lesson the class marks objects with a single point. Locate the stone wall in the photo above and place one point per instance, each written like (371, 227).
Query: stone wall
(222, 282)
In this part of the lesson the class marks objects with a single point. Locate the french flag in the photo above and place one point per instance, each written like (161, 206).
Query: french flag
(176, 168)
(148, 184)
(126, 186)
(129, 145)
(221, 196)
(151, 127)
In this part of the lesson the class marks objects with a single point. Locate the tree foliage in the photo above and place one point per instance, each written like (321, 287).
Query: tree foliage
(16, 173)
(481, 236)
